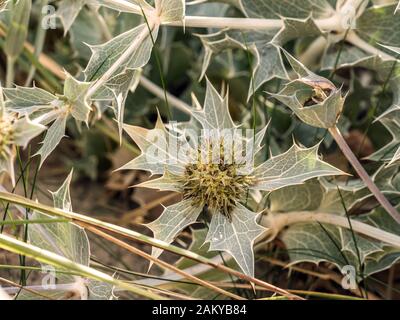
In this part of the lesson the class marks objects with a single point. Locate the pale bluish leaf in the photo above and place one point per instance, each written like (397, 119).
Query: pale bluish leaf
(159, 150)
(167, 182)
(170, 10)
(292, 167)
(62, 197)
(75, 93)
(378, 25)
(25, 130)
(105, 55)
(215, 113)
(391, 151)
(27, 100)
(295, 29)
(173, 220)
(275, 9)
(236, 237)
(53, 137)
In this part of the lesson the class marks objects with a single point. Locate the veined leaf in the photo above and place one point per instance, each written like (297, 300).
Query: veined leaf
(28, 100)
(275, 9)
(53, 137)
(70, 241)
(292, 167)
(105, 55)
(160, 150)
(170, 10)
(215, 114)
(25, 130)
(391, 151)
(75, 93)
(309, 242)
(236, 237)
(173, 220)
(378, 25)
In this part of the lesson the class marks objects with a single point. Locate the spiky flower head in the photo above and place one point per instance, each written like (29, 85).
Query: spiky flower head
(212, 164)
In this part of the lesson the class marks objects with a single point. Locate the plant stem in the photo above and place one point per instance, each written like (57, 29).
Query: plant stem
(363, 174)
(161, 263)
(278, 221)
(331, 23)
(45, 256)
(10, 72)
(77, 218)
(39, 42)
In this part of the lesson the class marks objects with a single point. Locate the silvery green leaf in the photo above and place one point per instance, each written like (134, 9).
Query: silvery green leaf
(27, 100)
(167, 182)
(75, 93)
(276, 9)
(236, 237)
(100, 290)
(67, 11)
(391, 151)
(63, 238)
(173, 220)
(16, 35)
(117, 89)
(170, 10)
(349, 55)
(214, 44)
(378, 25)
(268, 61)
(132, 6)
(310, 242)
(295, 29)
(25, 130)
(159, 150)
(215, 114)
(268, 65)
(292, 167)
(53, 137)
(62, 197)
(105, 55)
(397, 8)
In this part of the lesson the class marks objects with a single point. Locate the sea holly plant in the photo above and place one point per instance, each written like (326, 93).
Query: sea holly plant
(324, 75)
(213, 174)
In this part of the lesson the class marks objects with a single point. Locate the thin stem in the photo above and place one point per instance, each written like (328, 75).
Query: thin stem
(39, 42)
(159, 93)
(161, 263)
(77, 218)
(278, 221)
(10, 72)
(363, 174)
